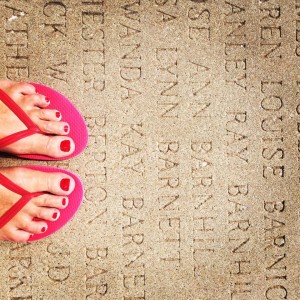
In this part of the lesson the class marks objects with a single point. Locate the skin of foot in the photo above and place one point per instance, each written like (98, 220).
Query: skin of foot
(53, 143)
(57, 187)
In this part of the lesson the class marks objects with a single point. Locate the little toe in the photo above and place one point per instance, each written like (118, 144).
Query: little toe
(35, 227)
(24, 221)
(19, 236)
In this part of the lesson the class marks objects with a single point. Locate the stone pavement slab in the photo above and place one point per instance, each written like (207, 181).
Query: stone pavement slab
(191, 174)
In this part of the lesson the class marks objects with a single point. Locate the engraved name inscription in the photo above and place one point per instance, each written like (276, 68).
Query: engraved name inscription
(96, 262)
(20, 273)
(93, 45)
(16, 42)
(204, 204)
(169, 201)
(236, 44)
(271, 32)
(130, 45)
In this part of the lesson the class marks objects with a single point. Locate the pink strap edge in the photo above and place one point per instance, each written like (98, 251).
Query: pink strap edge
(17, 110)
(26, 197)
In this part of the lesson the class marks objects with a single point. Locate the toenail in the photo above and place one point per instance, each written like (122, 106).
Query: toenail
(58, 114)
(55, 216)
(43, 229)
(47, 100)
(64, 201)
(65, 184)
(66, 128)
(65, 146)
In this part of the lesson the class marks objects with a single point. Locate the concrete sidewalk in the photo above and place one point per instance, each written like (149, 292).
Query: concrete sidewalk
(191, 174)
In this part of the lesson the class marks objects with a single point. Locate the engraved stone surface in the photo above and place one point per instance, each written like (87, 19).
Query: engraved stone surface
(191, 174)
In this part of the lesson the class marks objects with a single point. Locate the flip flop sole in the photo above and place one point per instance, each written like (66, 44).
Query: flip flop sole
(70, 114)
(66, 214)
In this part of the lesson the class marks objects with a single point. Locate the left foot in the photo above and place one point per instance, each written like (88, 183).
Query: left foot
(57, 187)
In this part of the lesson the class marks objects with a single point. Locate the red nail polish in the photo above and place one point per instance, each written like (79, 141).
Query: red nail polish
(64, 201)
(65, 146)
(65, 184)
(66, 129)
(57, 114)
(43, 229)
(47, 100)
(54, 216)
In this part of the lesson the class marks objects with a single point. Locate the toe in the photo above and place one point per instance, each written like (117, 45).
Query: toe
(52, 127)
(49, 214)
(24, 222)
(36, 100)
(23, 88)
(58, 146)
(49, 115)
(19, 236)
(59, 184)
(35, 227)
(49, 200)
(56, 183)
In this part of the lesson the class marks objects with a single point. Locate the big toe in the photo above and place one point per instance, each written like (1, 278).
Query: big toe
(48, 145)
(59, 146)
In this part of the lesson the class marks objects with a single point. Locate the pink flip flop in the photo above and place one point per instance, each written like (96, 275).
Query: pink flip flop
(78, 130)
(66, 214)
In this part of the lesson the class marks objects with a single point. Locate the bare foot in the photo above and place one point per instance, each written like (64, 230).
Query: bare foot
(45, 207)
(48, 120)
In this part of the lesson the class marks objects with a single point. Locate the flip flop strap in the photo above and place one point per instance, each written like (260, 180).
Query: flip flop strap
(26, 197)
(17, 110)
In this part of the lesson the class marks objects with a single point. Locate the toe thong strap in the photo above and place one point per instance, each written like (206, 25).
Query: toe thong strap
(17, 110)
(26, 197)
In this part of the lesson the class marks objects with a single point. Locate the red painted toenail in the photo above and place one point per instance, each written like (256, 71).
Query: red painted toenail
(66, 128)
(54, 215)
(43, 229)
(65, 184)
(65, 146)
(47, 100)
(64, 201)
(58, 114)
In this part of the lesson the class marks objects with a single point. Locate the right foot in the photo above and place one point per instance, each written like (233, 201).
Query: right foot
(44, 207)
(48, 120)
